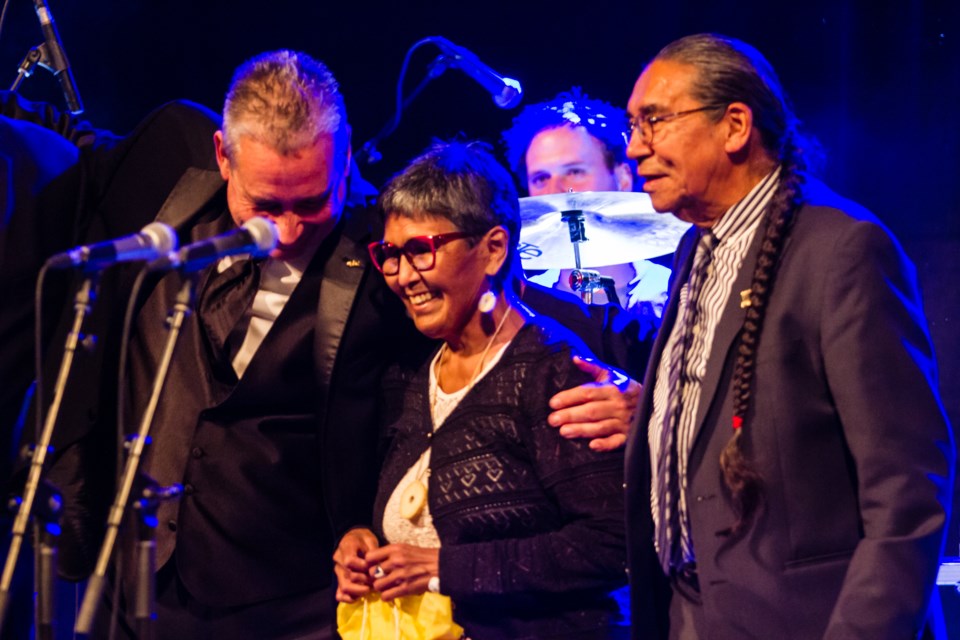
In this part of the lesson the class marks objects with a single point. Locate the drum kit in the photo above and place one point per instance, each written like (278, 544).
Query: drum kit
(622, 227)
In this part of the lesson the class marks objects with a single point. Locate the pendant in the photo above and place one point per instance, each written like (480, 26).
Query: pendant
(412, 500)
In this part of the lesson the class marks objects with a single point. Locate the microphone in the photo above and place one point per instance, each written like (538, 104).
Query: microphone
(257, 236)
(56, 59)
(506, 92)
(154, 240)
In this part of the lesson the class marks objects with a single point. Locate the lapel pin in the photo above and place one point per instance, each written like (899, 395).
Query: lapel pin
(353, 263)
(745, 299)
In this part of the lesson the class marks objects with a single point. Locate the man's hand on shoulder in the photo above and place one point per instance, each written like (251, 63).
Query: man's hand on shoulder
(602, 410)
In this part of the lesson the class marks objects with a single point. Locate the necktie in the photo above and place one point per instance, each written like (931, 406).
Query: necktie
(671, 545)
(222, 304)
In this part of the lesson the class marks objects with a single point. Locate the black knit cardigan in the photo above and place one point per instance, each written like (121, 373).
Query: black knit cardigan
(531, 524)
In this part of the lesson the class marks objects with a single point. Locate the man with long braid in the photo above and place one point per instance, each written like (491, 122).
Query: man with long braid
(791, 441)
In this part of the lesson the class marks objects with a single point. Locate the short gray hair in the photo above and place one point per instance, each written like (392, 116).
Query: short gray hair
(462, 182)
(285, 100)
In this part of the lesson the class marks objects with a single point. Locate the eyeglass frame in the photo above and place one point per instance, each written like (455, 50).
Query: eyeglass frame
(637, 122)
(434, 241)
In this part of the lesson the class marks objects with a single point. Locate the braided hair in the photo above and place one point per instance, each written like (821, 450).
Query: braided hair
(729, 70)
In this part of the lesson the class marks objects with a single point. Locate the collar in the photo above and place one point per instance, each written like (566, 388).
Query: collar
(744, 215)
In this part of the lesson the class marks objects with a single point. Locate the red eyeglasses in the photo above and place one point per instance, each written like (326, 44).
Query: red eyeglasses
(420, 251)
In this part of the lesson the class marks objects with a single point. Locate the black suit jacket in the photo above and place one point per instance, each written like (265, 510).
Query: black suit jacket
(279, 465)
(845, 427)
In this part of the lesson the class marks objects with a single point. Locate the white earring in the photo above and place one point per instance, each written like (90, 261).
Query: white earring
(487, 302)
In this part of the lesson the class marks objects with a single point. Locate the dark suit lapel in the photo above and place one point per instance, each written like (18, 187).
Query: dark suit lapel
(338, 289)
(186, 203)
(637, 472)
(286, 338)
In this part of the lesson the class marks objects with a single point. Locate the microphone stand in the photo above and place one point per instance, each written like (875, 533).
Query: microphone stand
(146, 548)
(40, 55)
(82, 304)
(609, 287)
(46, 531)
(145, 593)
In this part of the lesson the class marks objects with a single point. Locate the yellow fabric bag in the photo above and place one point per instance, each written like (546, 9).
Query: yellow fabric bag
(428, 616)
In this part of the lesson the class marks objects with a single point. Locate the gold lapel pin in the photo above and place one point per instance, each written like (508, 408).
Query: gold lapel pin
(745, 299)
(353, 263)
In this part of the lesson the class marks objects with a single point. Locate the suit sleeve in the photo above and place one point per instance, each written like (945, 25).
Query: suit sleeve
(881, 372)
(72, 128)
(38, 184)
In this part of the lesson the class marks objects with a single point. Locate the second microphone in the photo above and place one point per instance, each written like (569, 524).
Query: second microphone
(257, 236)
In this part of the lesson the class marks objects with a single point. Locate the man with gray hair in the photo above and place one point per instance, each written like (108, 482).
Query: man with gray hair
(266, 413)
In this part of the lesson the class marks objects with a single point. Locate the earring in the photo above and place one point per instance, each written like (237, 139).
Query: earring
(487, 302)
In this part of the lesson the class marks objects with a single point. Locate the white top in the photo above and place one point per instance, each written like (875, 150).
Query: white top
(421, 532)
(278, 279)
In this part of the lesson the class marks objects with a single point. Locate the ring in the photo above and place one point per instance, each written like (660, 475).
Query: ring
(378, 572)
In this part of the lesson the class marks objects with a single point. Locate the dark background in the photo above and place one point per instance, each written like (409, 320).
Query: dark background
(878, 83)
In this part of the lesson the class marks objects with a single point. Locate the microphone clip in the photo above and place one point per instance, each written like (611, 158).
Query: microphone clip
(51, 56)
(36, 55)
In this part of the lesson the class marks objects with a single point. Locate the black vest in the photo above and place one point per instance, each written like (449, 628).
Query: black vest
(251, 524)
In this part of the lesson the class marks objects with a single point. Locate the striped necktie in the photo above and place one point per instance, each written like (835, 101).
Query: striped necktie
(672, 548)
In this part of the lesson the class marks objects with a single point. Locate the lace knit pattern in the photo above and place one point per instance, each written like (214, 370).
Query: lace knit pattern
(531, 523)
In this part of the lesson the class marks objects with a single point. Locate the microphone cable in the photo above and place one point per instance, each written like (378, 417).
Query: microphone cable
(3, 15)
(368, 152)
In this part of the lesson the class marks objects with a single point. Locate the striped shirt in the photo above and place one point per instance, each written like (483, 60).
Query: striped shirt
(734, 232)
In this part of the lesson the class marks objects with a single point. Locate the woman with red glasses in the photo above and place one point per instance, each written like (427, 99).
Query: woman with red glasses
(479, 498)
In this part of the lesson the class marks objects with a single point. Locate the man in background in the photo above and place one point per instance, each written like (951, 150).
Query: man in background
(576, 143)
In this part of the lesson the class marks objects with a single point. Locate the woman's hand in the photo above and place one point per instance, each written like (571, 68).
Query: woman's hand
(402, 570)
(351, 566)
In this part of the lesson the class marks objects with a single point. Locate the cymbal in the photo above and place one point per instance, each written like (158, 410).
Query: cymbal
(620, 226)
